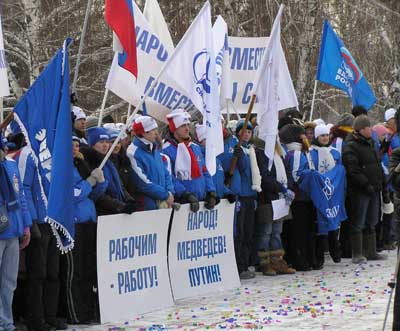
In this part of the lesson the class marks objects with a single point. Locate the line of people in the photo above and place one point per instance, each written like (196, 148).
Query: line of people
(147, 172)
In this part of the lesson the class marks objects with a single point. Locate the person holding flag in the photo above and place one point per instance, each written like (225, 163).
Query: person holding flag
(191, 179)
(150, 175)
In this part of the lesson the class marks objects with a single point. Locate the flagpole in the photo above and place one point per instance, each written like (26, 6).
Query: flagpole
(78, 59)
(313, 99)
(153, 84)
(103, 105)
(129, 111)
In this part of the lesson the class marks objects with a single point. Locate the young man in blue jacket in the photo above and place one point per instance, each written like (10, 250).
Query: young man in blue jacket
(15, 223)
(192, 182)
(150, 175)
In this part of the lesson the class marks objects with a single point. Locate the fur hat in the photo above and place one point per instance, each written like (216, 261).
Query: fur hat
(361, 122)
(91, 121)
(291, 133)
(345, 119)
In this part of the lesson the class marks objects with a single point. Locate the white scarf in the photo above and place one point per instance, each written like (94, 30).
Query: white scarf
(183, 169)
(294, 146)
(280, 170)
(255, 171)
(326, 162)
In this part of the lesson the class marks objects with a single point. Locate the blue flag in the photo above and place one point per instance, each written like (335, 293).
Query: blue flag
(338, 68)
(44, 115)
(327, 194)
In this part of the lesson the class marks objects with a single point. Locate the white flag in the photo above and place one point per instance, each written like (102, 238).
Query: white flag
(193, 65)
(155, 17)
(274, 88)
(151, 57)
(4, 88)
(221, 51)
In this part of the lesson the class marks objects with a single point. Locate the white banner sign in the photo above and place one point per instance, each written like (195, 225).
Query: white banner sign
(245, 56)
(201, 251)
(132, 264)
(4, 88)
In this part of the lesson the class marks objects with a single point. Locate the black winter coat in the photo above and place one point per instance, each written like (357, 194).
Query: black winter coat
(363, 169)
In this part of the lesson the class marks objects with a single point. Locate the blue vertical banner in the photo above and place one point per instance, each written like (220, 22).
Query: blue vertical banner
(44, 115)
(338, 68)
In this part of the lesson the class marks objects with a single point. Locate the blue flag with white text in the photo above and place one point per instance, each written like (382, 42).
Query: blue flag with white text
(327, 194)
(338, 68)
(44, 115)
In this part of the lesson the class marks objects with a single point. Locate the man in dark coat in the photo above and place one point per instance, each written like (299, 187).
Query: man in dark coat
(364, 185)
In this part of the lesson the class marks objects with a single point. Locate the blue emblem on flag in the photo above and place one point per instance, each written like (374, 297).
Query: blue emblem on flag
(201, 66)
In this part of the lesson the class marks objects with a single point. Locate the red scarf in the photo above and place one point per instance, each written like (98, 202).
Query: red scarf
(194, 165)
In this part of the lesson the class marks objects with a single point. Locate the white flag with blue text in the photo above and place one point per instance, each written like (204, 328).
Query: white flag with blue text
(274, 88)
(221, 51)
(4, 88)
(193, 66)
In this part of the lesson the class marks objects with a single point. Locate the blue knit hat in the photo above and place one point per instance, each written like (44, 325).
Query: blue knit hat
(113, 133)
(240, 124)
(96, 134)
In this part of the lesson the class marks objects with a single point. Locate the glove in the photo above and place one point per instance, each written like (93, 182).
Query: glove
(2, 155)
(370, 189)
(231, 198)
(129, 208)
(289, 196)
(210, 201)
(194, 202)
(96, 176)
(238, 152)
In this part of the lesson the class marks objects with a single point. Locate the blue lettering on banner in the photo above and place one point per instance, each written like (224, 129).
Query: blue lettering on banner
(129, 247)
(149, 43)
(137, 280)
(167, 95)
(246, 58)
(246, 94)
(207, 219)
(3, 63)
(206, 247)
(204, 275)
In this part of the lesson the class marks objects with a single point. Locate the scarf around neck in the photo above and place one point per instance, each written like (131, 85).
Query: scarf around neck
(326, 161)
(186, 164)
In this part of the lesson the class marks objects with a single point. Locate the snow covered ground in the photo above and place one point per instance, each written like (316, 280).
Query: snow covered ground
(340, 297)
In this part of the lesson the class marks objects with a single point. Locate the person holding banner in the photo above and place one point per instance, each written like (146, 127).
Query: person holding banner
(365, 182)
(250, 184)
(150, 174)
(325, 158)
(268, 232)
(14, 234)
(192, 182)
(115, 200)
(303, 227)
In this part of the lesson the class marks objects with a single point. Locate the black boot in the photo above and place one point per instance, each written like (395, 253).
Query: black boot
(369, 249)
(334, 246)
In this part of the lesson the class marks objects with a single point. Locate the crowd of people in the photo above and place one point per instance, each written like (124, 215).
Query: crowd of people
(148, 171)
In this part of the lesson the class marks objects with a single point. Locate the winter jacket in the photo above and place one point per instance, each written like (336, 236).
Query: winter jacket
(30, 185)
(219, 178)
(20, 218)
(244, 167)
(363, 169)
(269, 185)
(226, 158)
(296, 164)
(113, 200)
(395, 181)
(150, 175)
(198, 186)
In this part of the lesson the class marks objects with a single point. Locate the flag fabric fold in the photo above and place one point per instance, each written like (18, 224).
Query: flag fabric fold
(338, 68)
(274, 89)
(193, 65)
(44, 115)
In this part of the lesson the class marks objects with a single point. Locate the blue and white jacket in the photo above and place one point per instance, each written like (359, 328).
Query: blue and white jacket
(20, 218)
(150, 174)
(84, 208)
(198, 186)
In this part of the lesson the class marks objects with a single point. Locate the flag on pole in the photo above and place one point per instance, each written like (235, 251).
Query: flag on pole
(44, 115)
(221, 51)
(119, 15)
(193, 65)
(151, 57)
(153, 14)
(274, 88)
(4, 88)
(338, 68)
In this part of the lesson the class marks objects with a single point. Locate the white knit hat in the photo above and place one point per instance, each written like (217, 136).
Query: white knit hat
(144, 124)
(319, 121)
(320, 130)
(177, 118)
(389, 114)
(79, 113)
(201, 131)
